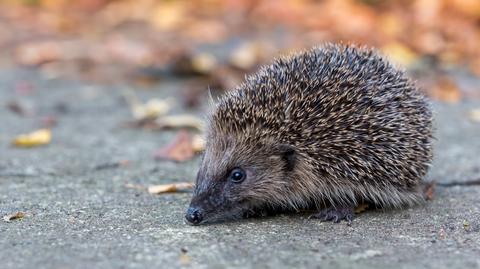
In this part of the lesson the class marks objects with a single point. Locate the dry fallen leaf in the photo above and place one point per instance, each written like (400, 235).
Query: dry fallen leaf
(185, 259)
(400, 53)
(198, 143)
(34, 139)
(446, 90)
(429, 190)
(14, 216)
(152, 109)
(180, 149)
(246, 56)
(173, 187)
(475, 115)
(180, 121)
(361, 208)
(204, 63)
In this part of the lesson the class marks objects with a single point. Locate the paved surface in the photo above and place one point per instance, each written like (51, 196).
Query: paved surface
(80, 217)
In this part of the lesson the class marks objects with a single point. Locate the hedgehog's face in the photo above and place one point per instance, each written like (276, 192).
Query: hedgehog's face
(235, 180)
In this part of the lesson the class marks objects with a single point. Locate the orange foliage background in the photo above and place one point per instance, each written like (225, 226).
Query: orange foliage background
(100, 39)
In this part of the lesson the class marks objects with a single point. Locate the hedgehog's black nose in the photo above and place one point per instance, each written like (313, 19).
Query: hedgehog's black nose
(194, 216)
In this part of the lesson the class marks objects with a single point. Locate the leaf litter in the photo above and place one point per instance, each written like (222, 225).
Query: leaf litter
(180, 149)
(34, 139)
(14, 216)
(171, 187)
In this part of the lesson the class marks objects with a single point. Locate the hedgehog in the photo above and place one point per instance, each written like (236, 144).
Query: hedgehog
(325, 129)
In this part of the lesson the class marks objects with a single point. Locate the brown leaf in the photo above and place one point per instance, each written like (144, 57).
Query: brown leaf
(361, 208)
(173, 187)
(14, 216)
(429, 190)
(184, 259)
(446, 90)
(179, 150)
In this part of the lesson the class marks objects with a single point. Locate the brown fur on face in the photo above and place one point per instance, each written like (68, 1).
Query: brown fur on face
(268, 169)
(334, 125)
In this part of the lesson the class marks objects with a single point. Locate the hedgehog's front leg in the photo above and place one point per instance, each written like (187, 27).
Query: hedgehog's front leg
(335, 214)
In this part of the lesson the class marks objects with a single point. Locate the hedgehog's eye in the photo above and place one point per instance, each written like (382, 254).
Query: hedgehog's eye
(237, 175)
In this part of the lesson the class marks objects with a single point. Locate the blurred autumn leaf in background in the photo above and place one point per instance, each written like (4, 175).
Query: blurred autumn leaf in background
(213, 43)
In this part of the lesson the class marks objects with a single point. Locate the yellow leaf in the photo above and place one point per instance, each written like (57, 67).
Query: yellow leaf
(37, 138)
(400, 54)
(168, 15)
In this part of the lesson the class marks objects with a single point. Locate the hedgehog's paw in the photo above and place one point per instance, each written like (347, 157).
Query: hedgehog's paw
(335, 214)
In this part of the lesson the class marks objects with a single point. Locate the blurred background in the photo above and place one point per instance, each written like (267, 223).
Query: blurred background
(213, 44)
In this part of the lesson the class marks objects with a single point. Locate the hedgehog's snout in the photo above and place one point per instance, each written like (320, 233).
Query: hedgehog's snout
(194, 215)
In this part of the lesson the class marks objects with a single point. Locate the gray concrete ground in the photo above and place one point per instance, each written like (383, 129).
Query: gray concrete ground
(80, 217)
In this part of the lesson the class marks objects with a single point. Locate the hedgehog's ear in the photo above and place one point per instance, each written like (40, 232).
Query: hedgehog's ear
(288, 154)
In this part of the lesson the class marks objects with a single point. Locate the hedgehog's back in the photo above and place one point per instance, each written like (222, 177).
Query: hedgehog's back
(352, 116)
(300, 94)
